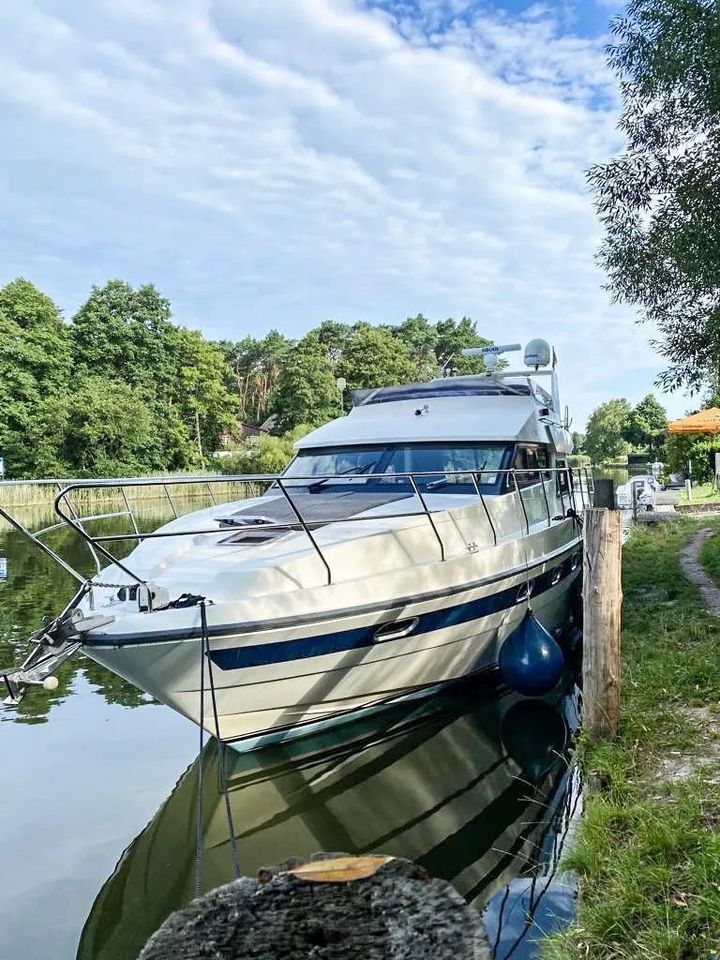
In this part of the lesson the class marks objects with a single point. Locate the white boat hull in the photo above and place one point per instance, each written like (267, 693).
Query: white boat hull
(262, 679)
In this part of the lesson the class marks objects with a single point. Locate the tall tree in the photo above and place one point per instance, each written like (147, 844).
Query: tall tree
(203, 397)
(606, 429)
(453, 336)
(375, 358)
(420, 338)
(256, 366)
(124, 332)
(306, 391)
(646, 424)
(658, 199)
(334, 338)
(35, 365)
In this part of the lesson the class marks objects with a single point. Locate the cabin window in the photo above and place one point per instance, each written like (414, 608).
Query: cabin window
(562, 484)
(447, 467)
(531, 462)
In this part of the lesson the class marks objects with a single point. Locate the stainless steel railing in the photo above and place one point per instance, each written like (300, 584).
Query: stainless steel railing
(573, 490)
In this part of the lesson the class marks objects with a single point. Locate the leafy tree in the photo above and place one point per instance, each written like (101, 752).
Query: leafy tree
(578, 440)
(420, 338)
(453, 336)
(334, 338)
(658, 199)
(204, 398)
(647, 424)
(375, 358)
(35, 369)
(606, 429)
(306, 390)
(126, 333)
(111, 430)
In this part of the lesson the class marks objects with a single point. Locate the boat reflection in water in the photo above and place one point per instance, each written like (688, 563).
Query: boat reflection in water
(478, 791)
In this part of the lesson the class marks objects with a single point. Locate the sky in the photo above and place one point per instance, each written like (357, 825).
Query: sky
(275, 163)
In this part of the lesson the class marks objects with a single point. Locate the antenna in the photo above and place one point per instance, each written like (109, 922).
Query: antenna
(491, 355)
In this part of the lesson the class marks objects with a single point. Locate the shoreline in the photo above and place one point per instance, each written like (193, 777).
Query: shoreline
(647, 852)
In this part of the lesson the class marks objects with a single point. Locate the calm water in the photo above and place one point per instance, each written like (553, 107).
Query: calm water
(100, 790)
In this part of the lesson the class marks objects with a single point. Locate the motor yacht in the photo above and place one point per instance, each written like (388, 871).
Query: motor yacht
(398, 551)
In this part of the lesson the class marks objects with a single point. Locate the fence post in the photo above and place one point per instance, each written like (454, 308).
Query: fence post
(602, 617)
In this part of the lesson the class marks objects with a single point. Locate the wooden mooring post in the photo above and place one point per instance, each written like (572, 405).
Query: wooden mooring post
(602, 619)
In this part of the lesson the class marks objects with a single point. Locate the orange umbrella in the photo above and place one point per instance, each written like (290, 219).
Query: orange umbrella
(707, 421)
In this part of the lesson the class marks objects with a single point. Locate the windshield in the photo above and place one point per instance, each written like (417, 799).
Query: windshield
(450, 465)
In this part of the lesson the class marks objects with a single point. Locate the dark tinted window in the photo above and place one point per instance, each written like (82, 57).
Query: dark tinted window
(530, 459)
(448, 466)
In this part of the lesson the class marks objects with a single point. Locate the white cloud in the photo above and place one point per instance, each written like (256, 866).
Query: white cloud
(273, 164)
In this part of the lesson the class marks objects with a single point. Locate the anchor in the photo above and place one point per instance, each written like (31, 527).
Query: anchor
(55, 643)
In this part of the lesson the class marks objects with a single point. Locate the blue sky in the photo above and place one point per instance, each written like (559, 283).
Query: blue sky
(273, 163)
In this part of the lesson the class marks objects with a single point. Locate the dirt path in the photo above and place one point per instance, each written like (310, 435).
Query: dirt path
(693, 569)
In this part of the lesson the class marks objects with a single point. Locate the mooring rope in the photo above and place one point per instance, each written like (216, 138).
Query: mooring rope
(220, 743)
(199, 810)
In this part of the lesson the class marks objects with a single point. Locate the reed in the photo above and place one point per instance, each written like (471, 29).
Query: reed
(43, 492)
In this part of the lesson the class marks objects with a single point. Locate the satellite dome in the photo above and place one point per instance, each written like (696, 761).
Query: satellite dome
(538, 353)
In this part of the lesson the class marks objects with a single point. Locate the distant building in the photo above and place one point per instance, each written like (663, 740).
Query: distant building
(243, 434)
(249, 432)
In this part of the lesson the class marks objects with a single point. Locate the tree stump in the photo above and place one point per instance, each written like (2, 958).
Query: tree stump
(329, 908)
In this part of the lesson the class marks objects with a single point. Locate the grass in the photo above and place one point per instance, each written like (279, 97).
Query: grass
(703, 493)
(710, 556)
(648, 850)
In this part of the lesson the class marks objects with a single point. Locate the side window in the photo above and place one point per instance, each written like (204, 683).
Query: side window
(563, 478)
(543, 460)
(526, 463)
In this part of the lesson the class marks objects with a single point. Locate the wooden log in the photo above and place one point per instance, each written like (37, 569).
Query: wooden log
(331, 908)
(602, 620)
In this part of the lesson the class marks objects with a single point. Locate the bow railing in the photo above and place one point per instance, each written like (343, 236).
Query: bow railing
(563, 492)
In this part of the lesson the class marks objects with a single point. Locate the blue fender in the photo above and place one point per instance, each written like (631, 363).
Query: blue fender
(530, 659)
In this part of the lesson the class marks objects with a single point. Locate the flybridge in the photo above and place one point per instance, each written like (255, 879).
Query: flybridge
(538, 353)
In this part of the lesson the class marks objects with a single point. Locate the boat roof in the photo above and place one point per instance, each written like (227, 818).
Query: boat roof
(457, 409)
(450, 387)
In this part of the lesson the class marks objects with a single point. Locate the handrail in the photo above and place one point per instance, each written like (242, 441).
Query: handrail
(21, 528)
(522, 502)
(285, 484)
(305, 527)
(416, 491)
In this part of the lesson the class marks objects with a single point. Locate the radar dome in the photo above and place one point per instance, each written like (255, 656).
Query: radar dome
(538, 353)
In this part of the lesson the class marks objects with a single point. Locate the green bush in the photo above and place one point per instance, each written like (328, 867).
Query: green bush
(267, 454)
(699, 448)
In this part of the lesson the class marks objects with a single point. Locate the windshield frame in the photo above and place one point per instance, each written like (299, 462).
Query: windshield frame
(375, 479)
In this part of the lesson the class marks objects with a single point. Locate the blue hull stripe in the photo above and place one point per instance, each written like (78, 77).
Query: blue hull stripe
(261, 655)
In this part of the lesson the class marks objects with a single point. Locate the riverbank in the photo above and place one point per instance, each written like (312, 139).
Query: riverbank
(648, 850)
